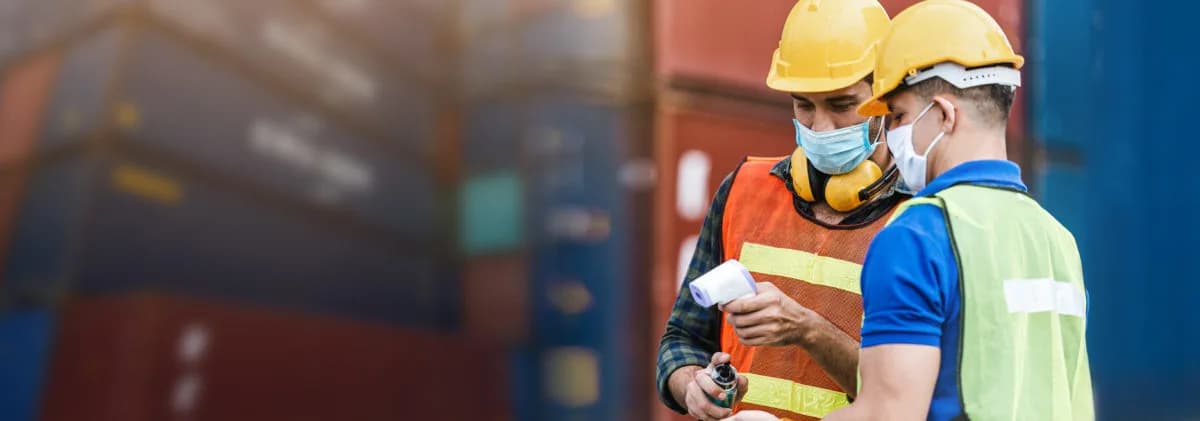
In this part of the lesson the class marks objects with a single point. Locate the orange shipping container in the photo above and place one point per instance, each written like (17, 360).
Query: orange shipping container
(152, 357)
(700, 141)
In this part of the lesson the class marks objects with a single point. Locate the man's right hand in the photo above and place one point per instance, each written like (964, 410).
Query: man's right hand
(698, 386)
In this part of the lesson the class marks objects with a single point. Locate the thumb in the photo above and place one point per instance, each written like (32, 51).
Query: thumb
(743, 385)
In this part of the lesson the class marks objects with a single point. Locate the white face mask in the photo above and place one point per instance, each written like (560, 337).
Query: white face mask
(912, 166)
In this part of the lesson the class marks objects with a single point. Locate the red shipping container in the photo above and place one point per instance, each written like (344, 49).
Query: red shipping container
(496, 295)
(151, 357)
(24, 93)
(700, 141)
(716, 44)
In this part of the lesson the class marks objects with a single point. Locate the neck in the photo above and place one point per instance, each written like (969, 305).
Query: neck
(974, 147)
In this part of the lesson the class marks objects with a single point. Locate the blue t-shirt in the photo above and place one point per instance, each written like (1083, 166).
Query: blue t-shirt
(910, 280)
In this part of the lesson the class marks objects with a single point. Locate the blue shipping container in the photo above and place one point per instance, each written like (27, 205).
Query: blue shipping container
(25, 340)
(1133, 194)
(285, 43)
(173, 100)
(584, 258)
(106, 226)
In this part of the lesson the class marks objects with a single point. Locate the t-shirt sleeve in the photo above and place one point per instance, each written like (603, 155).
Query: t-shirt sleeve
(902, 294)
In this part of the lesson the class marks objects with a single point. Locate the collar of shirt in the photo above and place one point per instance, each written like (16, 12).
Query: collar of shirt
(992, 173)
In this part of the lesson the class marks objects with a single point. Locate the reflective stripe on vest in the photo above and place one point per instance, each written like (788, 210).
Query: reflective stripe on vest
(792, 397)
(804, 266)
(1023, 354)
(817, 266)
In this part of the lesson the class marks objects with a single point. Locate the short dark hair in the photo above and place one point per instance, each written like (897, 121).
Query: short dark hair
(993, 102)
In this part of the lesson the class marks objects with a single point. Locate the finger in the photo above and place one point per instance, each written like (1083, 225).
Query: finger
(709, 387)
(743, 385)
(720, 358)
(753, 303)
(756, 318)
(766, 286)
(756, 331)
(700, 407)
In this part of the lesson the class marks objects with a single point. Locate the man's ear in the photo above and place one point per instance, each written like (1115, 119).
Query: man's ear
(950, 113)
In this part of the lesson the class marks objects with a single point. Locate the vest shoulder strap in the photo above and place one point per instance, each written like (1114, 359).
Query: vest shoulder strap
(916, 201)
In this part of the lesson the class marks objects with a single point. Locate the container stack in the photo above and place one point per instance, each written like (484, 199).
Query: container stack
(554, 199)
(228, 210)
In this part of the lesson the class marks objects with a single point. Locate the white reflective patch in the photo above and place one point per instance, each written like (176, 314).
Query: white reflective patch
(1042, 295)
(691, 186)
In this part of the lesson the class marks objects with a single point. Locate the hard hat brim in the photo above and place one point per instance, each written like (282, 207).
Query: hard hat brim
(812, 85)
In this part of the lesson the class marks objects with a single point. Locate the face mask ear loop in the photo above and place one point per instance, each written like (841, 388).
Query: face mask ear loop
(878, 133)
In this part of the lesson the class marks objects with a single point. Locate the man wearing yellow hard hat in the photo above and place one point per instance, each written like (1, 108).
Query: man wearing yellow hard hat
(800, 225)
(974, 295)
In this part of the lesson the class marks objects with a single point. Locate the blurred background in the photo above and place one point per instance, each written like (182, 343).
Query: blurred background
(482, 209)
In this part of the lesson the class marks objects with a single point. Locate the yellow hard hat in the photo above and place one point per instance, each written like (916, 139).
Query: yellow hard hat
(951, 39)
(827, 45)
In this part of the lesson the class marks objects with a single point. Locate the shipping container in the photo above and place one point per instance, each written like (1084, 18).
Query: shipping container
(25, 340)
(289, 46)
(169, 98)
(700, 141)
(1124, 132)
(26, 25)
(496, 298)
(419, 50)
(597, 46)
(23, 97)
(96, 226)
(154, 357)
(589, 271)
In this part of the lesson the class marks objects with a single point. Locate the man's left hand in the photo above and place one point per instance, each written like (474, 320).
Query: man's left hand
(768, 318)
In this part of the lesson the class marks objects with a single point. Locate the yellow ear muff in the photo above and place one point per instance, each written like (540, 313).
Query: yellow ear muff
(841, 192)
(800, 182)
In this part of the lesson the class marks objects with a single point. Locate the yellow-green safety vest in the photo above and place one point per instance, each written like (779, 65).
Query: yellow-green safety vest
(1022, 350)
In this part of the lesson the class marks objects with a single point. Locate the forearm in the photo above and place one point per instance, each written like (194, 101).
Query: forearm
(835, 352)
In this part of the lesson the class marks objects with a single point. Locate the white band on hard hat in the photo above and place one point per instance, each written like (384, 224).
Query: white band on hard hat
(962, 78)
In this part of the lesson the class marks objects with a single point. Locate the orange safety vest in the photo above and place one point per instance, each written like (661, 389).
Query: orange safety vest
(817, 266)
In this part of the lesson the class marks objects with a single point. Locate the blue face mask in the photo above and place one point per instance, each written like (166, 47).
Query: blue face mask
(838, 151)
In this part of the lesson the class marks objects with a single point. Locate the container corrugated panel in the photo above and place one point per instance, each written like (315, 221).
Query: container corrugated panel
(174, 100)
(1136, 202)
(104, 226)
(154, 357)
(586, 281)
(718, 41)
(25, 344)
(286, 44)
(697, 147)
(376, 21)
(1059, 69)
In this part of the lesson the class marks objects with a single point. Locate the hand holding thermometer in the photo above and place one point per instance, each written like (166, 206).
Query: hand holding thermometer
(723, 284)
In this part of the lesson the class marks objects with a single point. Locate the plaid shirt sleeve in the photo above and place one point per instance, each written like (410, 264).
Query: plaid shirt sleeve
(693, 332)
